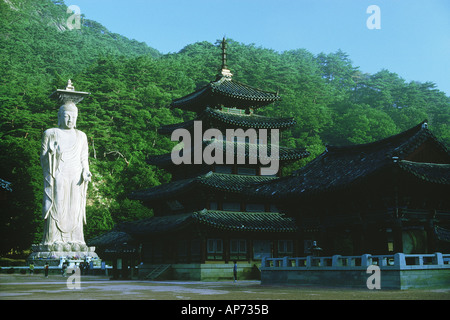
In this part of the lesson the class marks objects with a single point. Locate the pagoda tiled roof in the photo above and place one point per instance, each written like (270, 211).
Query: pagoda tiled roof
(216, 219)
(225, 91)
(341, 167)
(284, 153)
(169, 128)
(232, 183)
(246, 221)
(155, 225)
(249, 120)
(218, 118)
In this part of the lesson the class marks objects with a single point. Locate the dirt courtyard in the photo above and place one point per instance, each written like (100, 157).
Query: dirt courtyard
(55, 287)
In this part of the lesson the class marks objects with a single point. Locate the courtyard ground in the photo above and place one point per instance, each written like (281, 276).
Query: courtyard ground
(55, 287)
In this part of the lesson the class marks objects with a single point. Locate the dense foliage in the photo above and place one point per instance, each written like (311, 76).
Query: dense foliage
(131, 84)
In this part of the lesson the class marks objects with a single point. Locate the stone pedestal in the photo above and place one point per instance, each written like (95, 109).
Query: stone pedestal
(43, 252)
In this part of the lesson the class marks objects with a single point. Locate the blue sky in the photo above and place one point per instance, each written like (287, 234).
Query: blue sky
(414, 39)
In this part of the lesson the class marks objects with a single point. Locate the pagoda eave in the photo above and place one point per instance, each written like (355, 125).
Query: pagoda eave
(212, 181)
(212, 219)
(225, 92)
(251, 151)
(220, 119)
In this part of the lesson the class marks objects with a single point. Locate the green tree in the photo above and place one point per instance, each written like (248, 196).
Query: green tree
(21, 214)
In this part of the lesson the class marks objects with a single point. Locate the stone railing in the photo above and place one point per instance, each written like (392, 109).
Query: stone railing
(395, 261)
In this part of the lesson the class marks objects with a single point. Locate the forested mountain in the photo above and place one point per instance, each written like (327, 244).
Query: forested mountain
(131, 84)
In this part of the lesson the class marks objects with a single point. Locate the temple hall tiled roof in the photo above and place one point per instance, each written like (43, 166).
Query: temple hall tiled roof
(442, 234)
(284, 154)
(216, 181)
(228, 92)
(113, 239)
(431, 172)
(216, 118)
(340, 167)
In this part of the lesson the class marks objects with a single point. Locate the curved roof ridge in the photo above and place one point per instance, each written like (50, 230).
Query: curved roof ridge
(190, 95)
(415, 163)
(408, 134)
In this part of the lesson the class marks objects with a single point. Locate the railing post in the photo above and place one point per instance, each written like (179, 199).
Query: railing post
(420, 260)
(308, 261)
(366, 260)
(285, 262)
(399, 260)
(264, 262)
(351, 261)
(336, 261)
(438, 258)
(382, 261)
(301, 262)
(322, 262)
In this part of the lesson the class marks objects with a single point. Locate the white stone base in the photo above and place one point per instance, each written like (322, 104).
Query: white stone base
(62, 250)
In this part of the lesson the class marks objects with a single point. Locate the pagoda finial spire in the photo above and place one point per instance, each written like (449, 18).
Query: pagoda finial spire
(224, 53)
(225, 71)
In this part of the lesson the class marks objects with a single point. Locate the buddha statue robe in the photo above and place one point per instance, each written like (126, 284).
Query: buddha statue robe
(64, 159)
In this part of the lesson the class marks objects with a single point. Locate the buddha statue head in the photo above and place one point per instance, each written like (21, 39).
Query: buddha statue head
(67, 116)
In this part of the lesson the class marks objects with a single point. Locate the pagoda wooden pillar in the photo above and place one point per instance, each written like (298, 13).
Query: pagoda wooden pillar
(203, 250)
(397, 233)
(226, 249)
(358, 239)
(249, 249)
(431, 237)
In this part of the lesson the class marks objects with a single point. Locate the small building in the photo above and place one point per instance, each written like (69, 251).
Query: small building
(121, 250)
(5, 189)
(386, 197)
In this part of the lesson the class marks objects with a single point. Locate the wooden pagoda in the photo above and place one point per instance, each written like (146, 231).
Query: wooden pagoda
(203, 221)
